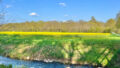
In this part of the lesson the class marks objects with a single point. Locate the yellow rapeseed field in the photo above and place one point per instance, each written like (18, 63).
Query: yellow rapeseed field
(52, 33)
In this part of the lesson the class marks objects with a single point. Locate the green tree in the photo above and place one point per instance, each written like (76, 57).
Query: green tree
(110, 23)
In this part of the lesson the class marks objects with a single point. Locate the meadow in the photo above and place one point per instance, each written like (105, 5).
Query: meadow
(100, 49)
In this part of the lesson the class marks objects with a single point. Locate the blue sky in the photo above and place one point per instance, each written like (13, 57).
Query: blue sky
(61, 10)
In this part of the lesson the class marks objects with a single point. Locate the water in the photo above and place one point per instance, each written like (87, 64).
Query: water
(36, 64)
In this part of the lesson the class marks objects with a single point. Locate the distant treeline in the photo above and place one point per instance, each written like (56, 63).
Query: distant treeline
(112, 25)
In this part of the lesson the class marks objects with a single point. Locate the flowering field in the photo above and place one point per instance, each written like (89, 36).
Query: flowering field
(52, 33)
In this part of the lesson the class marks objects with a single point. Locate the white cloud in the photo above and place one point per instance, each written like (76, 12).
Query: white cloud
(64, 21)
(33, 14)
(74, 16)
(62, 4)
(8, 6)
(66, 15)
(52, 19)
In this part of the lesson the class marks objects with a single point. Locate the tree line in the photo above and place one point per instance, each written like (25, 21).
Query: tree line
(112, 25)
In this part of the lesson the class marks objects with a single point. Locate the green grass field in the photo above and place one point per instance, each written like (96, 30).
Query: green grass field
(96, 50)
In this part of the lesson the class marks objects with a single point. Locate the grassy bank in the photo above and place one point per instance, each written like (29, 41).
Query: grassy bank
(75, 49)
(4, 66)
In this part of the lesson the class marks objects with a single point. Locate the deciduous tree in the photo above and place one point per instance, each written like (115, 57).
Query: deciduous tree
(118, 23)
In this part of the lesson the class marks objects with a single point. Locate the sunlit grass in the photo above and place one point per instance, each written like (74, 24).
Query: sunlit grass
(78, 48)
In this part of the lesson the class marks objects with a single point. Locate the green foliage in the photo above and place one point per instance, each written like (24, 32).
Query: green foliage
(110, 23)
(3, 66)
(108, 30)
(91, 49)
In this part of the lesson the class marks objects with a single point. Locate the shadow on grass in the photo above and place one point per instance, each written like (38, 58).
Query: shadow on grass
(102, 52)
(74, 49)
(115, 61)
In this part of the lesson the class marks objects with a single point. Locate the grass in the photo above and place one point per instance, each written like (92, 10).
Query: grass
(10, 66)
(82, 49)
(3, 66)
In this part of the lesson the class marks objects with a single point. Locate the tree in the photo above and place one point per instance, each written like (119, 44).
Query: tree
(93, 20)
(118, 15)
(110, 23)
(117, 30)
(118, 23)
(2, 14)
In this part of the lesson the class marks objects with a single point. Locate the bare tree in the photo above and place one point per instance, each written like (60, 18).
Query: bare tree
(2, 13)
(118, 15)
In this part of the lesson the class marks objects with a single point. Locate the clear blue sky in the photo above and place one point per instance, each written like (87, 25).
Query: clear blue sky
(61, 10)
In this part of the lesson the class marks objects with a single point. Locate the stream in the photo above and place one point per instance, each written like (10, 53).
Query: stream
(37, 64)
